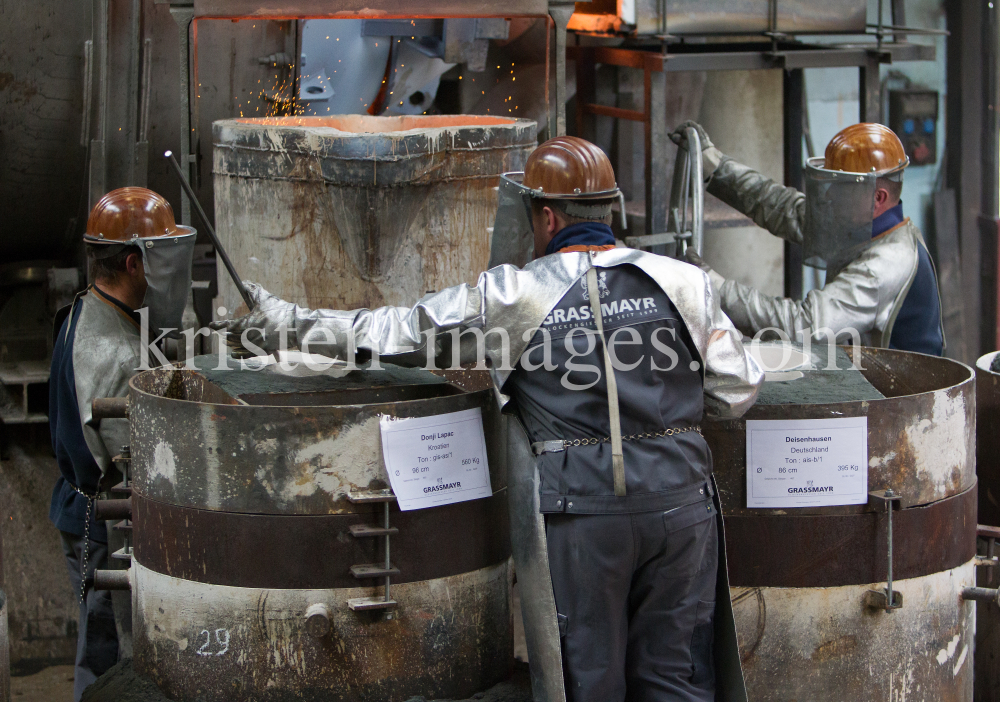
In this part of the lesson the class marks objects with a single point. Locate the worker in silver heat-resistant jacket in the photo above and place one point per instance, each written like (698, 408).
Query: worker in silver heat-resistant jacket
(881, 288)
(140, 264)
(612, 358)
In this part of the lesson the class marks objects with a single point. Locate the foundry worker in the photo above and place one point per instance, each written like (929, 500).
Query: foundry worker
(611, 402)
(880, 280)
(137, 257)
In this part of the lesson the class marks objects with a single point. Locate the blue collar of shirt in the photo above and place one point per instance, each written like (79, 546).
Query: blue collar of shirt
(887, 220)
(581, 234)
(117, 303)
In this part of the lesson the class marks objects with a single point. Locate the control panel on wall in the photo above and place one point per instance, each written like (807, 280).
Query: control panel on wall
(913, 115)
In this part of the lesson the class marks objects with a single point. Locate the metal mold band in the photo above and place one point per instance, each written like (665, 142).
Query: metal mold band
(850, 549)
(921, 438)
(316, 551)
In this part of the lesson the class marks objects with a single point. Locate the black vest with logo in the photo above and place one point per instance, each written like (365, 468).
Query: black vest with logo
(560, 392)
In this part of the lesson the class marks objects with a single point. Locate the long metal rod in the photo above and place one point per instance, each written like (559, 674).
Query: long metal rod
(387, 565)
(88, 95)
(210, 229)
(697, 185)
(888, 586)
(147, 53)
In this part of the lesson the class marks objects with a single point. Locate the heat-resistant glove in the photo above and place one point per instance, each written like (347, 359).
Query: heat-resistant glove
(696, 260)
(263, 326)
(711, 157)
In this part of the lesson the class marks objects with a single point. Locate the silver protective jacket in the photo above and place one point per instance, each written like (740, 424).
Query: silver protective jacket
(864, 293)
(106, 350)
(497, 317)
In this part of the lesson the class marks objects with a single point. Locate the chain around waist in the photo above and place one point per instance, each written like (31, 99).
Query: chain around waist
(540, 447)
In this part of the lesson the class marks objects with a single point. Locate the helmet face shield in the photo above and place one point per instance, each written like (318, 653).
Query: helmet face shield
(839, 214)
(513, 238)
(167, 264)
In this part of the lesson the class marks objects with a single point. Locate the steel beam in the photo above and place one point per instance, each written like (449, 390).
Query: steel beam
(963, 121)
(560, 17)
(657, 141)
(755, 59)
(375, 9)
(870, 89)
(990, 185)
(792, 134)
(183, 15)
(586, 77)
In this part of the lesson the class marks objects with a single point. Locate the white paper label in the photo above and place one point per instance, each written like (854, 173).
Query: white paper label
(807, 462)
(436, 460)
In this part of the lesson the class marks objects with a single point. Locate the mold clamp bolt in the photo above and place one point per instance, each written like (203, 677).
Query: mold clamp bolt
(887, 599)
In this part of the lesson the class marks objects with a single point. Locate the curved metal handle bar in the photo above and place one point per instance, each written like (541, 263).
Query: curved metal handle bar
(687, 195)
(697, 188)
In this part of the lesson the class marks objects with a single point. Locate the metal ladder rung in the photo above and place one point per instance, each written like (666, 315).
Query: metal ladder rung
(370, 496)
(122, 555)
(362, 604)
(373, 570)
(638, 242)
(121, 489)
(362, 531)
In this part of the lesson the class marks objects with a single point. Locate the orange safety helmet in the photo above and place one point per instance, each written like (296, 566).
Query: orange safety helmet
(126, 215)
(570, 168)
(866, 148)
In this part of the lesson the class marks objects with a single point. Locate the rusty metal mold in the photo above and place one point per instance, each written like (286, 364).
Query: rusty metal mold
(195, 446)
(245, 533)
(988, 470)
(822, 644)
(805, 630)
(450, 638)
(921, 438)
(988, 440)
(355, 211)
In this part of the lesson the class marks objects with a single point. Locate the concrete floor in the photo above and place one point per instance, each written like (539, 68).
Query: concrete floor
(54, 684)
(41, 607)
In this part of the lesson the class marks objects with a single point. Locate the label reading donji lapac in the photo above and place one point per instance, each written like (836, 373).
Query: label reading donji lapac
(436, 460)
(807, 462)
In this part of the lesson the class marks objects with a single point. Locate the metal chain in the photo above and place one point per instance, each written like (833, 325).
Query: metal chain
(86, 543)
(630, 437)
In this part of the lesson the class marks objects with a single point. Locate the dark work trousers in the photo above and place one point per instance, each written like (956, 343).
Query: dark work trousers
(635, 594)
(97, 640)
